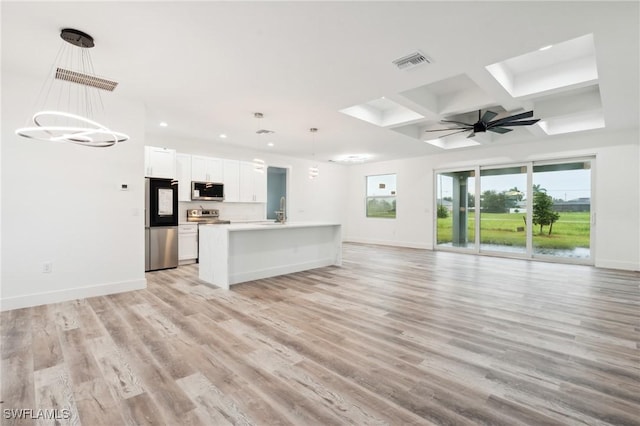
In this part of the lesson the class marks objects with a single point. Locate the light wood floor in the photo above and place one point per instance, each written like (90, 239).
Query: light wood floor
(395, 336)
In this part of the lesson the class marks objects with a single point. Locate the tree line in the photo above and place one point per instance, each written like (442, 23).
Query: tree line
(501, 202)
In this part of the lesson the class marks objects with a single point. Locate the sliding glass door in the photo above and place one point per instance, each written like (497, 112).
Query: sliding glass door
(455, 206)
(531, 210)
(562, 209)
(503, 209)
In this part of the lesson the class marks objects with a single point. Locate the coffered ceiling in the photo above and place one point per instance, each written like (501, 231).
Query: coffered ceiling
(206, 67)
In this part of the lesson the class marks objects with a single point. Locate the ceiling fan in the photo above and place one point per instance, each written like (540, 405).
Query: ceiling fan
(485, 124)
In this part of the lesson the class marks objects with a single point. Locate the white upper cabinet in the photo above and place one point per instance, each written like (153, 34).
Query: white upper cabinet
(242, 184)
(206, 169)
(183, 174)
(260, 186)
(253, 184)
(231, 180)
(160, 162)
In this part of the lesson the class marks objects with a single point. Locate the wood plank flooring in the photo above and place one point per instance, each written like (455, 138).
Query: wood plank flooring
(394, 336)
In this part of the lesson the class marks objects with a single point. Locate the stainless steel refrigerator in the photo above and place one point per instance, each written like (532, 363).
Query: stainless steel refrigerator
(161, 224)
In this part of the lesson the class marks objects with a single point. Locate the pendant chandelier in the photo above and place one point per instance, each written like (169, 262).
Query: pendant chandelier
(73, 81)
(258, 163)
(313, 170)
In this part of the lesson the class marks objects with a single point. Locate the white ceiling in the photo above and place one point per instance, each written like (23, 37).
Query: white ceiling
(206, 67)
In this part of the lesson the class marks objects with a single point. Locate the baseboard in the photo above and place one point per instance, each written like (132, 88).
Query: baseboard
(393, 243)
(616, 264)
(280, 270)
(45, 298)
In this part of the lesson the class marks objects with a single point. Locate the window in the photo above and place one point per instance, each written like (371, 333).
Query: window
(381, 196)
(540, 209)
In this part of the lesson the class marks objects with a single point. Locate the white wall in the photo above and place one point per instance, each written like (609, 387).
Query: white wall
(617, 192)
(320, 199)
(61, 203)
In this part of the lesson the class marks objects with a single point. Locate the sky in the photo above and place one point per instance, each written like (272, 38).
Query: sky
(565, 185)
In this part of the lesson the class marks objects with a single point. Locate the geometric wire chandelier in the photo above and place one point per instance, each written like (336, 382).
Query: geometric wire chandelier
(71, 98)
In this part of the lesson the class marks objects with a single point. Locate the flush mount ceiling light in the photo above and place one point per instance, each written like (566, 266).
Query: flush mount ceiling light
(80, 89)
(352, 158)
(313, 170)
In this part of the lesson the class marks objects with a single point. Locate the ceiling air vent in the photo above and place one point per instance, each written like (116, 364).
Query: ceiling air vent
(86, 79)
(264, 132)
(411, 61)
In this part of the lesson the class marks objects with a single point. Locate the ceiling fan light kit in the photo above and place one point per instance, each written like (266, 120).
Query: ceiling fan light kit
(75, 125)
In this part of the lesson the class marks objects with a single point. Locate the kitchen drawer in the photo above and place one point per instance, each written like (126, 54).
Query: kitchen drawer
(188, 229)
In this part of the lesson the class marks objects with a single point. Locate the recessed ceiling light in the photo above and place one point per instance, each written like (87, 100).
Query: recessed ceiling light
(222, 136)
(163, 124)
(546, 47)
(270, 144)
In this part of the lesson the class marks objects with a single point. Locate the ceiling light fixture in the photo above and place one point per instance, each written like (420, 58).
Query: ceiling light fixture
(270, 144)
(313, 170)
(486, 123)
(352, 158)
(163, 124)
(222, 136)
(77, 124)
(258, 163)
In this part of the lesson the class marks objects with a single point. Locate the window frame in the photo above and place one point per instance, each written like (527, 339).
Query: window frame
(393, 197)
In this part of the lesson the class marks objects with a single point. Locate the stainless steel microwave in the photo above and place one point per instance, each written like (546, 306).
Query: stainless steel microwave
(210, 191)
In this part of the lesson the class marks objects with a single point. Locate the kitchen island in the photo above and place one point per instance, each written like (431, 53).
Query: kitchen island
(236, 253)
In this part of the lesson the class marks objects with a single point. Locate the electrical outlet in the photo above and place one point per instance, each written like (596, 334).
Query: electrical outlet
(47, 267)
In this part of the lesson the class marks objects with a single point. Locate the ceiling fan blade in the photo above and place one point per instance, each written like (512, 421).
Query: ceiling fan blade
(454, 133)
(472, 134)
(500, 130)
(521, 122)
(504, 120)
(443, 130)
(457, 122)
(488, 116)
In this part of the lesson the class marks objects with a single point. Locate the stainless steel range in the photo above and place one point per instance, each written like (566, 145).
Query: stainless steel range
(205, 216)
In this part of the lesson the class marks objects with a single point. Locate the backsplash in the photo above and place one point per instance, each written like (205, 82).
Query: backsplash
(228, 211)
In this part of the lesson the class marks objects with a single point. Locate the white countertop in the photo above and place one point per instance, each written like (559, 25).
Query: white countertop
(261, 226)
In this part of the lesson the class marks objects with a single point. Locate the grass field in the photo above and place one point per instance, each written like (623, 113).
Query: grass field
(570, 231)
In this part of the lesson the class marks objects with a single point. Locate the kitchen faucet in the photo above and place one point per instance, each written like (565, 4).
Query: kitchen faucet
(281, 216)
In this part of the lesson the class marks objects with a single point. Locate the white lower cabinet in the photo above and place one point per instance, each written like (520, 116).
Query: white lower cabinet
(187, 243)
